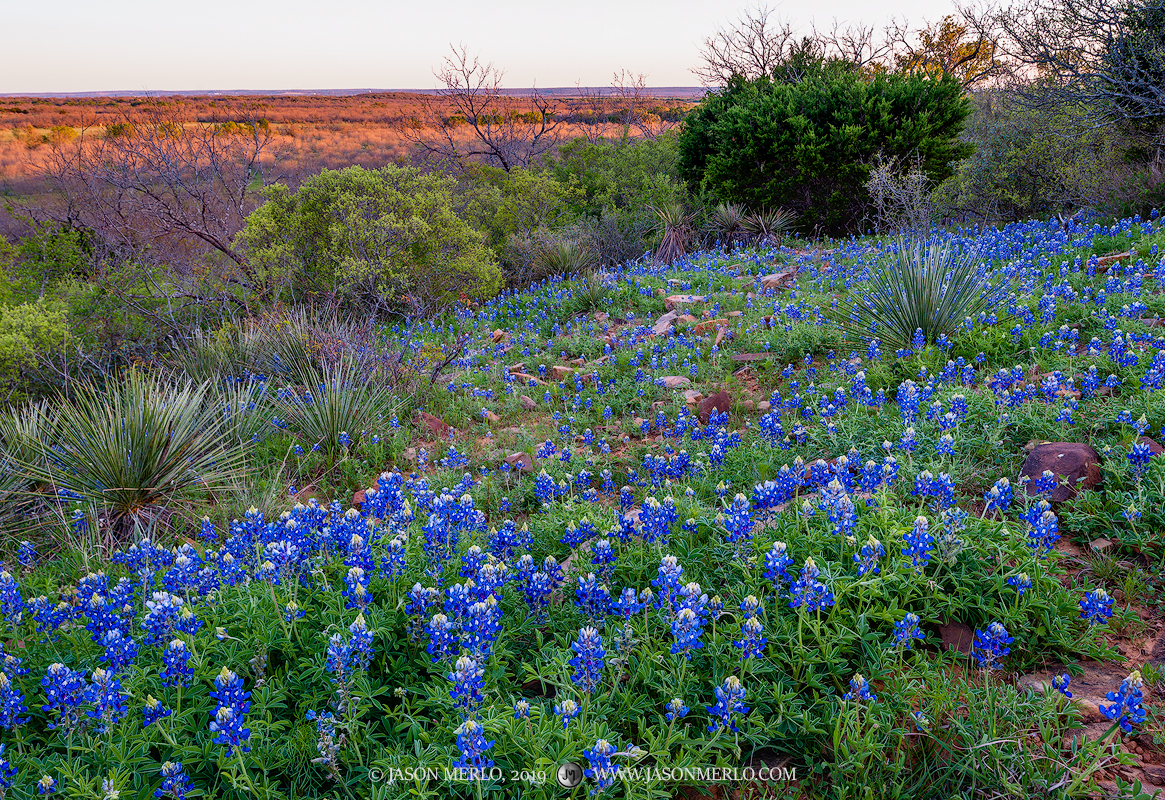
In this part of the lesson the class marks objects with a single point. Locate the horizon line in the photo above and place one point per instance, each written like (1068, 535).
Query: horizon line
(555, 90)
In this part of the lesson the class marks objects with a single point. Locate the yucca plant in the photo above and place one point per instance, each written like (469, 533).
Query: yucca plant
(675, 227)
(332, 407)
(137, 450)
(726, 223)
(19, 429)
(769, 226)
(592, 289)
(924, 286)
(564, 257)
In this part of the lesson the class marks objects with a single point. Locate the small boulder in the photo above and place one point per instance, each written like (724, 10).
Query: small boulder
(674, 301)
(358, 500)
(1077, 464)
(691, 396)
(664, 323)
(491, 417)
(520, 462)
(721, 334)
(956, 636)
(1154, 448)
(675, 381)
(527, 403)
(721, 403)
(561, 373)
(498, 335)
(779, 280)
(438, 427)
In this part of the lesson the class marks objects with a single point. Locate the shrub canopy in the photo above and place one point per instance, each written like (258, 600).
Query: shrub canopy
(807, 144)
(370, 236)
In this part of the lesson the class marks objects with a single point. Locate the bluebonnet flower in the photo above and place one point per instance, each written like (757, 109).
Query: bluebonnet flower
(867, 559)
(675, 709)
(728, 705)
(176, 670)
(1096, 607)
(292, 612)
(120, 650)
(777, 562)
(1139, 456)
(1021, 582)
(421, 599)
(12, 707)
(738, 521)
(161, 617)
(356, 583)
(46, 785)
(601, 768)
(567, 710)
(588, 659)
(809, 592)
(175, 781)
(230, 714)
(999, 496)
(1044, 528)
(153, 711)
(918, 544)
(472, 746)
(65, 690)
(1126, 707)
(686, 627)
(467, 685)
(859, 690)
(592, 597)
(26, 554)
(109, 702)
(1060, 684)
(444, 640)
(991, 646)
(11, 602)
(752, 640)
(1046, 483)
(522, 709)
(7, 773)
(483, 621)
(906, 630)
(603, 557)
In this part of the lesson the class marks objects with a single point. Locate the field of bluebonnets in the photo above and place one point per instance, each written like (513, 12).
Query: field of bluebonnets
(660, 519)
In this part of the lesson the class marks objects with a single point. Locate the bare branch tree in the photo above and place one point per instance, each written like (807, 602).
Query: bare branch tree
(503, 130)
(638, 107)
(1105, 54)
(965, 46)
(755, 46)
(160, 181)
(861, 45)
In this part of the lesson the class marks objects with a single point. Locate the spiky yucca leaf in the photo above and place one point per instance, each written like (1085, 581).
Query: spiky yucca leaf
(769, 226)
(925, 286)
(136, 450)
(675, 223)
(564, 257)
(726, 222)
(332, 401)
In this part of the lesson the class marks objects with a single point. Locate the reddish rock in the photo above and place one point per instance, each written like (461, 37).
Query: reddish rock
(560, 373)
(956, 636)
(674, 301)
(1075, 465)
(1089, 687)
(709, 324)
(721, 333)
(692, 396)
(779, 280)
(527, 403)
(744, 358)
(664, 323)
(358, 499)
(721, 402)
(438, 427)
(498, 335)
(525, 379)
(675, 381)
(492, 418)
(521, 462)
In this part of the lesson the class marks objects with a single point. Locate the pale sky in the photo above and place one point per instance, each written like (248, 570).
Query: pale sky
(163, 45)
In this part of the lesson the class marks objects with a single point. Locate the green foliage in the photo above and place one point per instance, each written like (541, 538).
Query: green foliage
(1029, 162)
(806, 145)
(369, 236)
(630, 175)
(925, 286)
(137, 450)
(515, 203)
(335, 401)
(28, 333)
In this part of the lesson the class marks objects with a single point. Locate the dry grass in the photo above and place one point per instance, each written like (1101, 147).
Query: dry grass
(313, 131)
